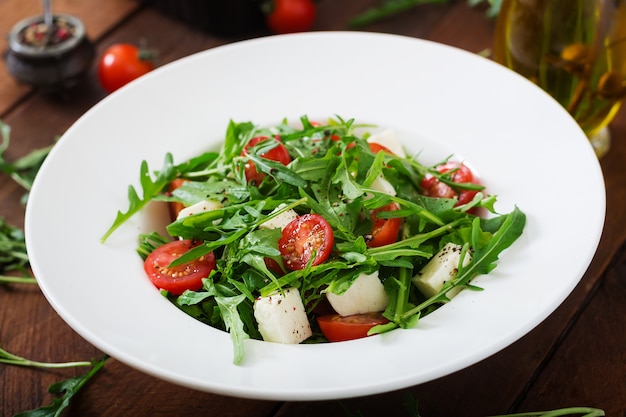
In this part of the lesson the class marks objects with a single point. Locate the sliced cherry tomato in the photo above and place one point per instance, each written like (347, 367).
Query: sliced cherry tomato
(337, 328)
(175, 207)
(176, 280)
(432, 187)
(304, 237)
(289, 16)
(122, 63)
(278, 154)
(273, 266)
(384, 231)
(377, 147)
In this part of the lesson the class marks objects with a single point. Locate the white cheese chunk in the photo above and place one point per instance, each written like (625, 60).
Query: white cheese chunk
(282, 318)
(389, 140)
(365, 295)
(382, 185)
(199, 207)
(280, 221)
(441, 268)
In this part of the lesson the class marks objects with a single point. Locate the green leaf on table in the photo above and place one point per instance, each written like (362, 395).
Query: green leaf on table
(390, 8)
(24, 169)
(67, 389)
(13, 256)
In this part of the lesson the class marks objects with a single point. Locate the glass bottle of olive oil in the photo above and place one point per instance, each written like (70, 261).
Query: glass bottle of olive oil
(573, 49)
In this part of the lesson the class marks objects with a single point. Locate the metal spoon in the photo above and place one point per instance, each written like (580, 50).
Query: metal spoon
(47, 14)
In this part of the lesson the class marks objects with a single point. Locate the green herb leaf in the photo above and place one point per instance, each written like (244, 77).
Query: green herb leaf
(150, 188)
(23, 170)
(13, 256)
(388, 9)
(234, 325)
(68, 388)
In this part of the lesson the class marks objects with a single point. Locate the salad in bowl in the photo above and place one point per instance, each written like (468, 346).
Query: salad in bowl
(316, 232)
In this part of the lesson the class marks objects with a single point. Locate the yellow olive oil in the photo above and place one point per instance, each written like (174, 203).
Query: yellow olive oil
(573, 49)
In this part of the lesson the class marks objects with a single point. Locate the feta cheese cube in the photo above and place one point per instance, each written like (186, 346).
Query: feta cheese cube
(199, 207)
(365, 295)
(282, 317)
(280, 221)
(441, 268)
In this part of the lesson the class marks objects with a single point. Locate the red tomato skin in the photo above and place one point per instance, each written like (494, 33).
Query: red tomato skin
(121, 64)
(432, 187)
(175, 207)
(377, 147)
(278, 154)
(337, 328)
(180, 278)
(301, 237)
(290, 16)
(384, 231)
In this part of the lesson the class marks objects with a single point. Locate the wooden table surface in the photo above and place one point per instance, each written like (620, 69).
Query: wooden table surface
(576, 357)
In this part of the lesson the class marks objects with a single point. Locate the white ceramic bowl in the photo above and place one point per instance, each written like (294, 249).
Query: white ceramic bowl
(439, 99)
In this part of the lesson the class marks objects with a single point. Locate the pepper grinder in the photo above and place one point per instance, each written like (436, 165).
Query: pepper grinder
(50, 51)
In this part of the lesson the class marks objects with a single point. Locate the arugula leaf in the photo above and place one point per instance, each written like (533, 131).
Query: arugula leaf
(277, 171)
(234, 325)
(13, 256)
(411, 404)
(150, 187)
(68, 388)
(561, 412)
(390, 8)
(24, 169)
(484, 258)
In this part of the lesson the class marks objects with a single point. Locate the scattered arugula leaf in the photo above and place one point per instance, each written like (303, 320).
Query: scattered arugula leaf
(13, 256)
(68, 388)
(8, 358)
(24, 169)
(561, 412)
(389, 8)
(411, 406)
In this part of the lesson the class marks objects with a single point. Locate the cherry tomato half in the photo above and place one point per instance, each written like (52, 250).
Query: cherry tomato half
(303, 237)
(175, 207)
(377, 147)
(120, 64)
(384, 231)
(289, 16)
(432, 187)
(177, 279)
(278, 154)
(337, 328)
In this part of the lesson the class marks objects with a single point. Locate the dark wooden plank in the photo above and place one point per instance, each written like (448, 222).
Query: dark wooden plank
(589, 367)
(31, 328)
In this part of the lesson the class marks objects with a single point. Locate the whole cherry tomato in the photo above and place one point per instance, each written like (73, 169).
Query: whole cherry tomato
(289, 16)
(121, 63)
